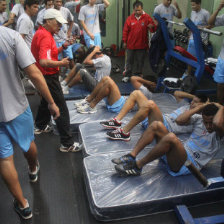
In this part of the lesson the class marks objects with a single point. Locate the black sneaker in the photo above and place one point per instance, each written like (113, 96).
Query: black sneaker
(34, 175)
(128, 158)
(118, 134)
(24, 213)
(128, 169)
(111, 124)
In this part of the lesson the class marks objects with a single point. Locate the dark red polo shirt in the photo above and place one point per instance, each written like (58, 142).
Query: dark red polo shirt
(44, 47)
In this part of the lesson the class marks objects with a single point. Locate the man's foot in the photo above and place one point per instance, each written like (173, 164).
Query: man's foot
(34, 175)
(125, 79)
(128, 169)
(38, 131)
(24, 213)
(128, 158)
(73, 148)
(81, 103)
(111, 124)
(65, 90)
(86, 109)
(119, 134)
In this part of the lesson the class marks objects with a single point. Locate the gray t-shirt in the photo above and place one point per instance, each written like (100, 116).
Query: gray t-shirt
(167, 13)
(220, 22)
(62, 34)
(40, 17)
(13, 53)
(18, 10)
(25, 26)
(200, 19)
(76, 30)
(90, 16)
(202, 145)
(103, 67)
(3, 17)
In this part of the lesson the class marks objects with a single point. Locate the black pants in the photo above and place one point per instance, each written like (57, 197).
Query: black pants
(43, 115)
(132, 56)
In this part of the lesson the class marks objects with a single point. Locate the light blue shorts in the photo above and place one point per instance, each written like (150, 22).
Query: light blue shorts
(191, 48)
(75, 47)
(183, 170)
(145, 123)
(95, 42)
(117, 106)
(20, 130)
(219, 71)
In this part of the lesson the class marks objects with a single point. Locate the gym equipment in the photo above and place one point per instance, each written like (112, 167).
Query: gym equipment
(199, 65)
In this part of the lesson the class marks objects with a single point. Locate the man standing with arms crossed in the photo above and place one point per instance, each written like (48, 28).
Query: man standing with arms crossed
(16, 120)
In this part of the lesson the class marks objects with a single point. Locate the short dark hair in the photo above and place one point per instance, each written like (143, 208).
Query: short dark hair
(46, 1)
(30, 2)
(203, 98)
(90, 50)
(137, 4)
(210, 110)
(196, 1)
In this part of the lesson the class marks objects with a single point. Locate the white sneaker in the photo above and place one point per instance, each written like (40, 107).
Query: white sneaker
(65, 90)
(86, 110)
(125, 79)
(81, 103)
(73, 148)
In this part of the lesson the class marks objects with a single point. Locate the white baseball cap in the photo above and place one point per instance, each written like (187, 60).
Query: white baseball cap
(54, 14)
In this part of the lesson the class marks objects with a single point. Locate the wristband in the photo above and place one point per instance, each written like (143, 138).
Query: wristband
(63, 46)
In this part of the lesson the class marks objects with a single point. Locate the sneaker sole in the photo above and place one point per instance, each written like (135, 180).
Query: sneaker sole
(90, 112)
(63, 150)
(27, 217)
(121, 139)
(110, 127)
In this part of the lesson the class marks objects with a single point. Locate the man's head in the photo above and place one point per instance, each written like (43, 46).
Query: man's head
(196, 5)
(2, 6)
(53, 20)
(200, 98)
(208, 113)
(138, 8)
(96, 55)
(31, 7)
(167, 3)
(57, 4)
(49, 4)
(92, 2)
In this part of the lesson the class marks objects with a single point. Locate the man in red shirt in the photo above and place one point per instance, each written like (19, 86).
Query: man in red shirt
(135, 37)
(45, 52)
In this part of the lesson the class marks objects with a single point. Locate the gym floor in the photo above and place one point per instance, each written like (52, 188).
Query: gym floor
(59, 196)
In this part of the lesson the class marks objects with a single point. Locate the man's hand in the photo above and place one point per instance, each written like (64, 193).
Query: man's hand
(124, 45)
(91, 36)
(54, 110)
(97, 49)
(64, 62)
(218, 105)
(150, 26)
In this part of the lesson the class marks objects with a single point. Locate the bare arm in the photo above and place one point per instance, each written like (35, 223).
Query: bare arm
(179, 13)
(180, 95)
(185, 117)
(70, 25)
(11, 20)
(53, 64)
(218, 121)
(212, 18)
(88, 59)
(106, 3)
(38, 80)
(87, 31)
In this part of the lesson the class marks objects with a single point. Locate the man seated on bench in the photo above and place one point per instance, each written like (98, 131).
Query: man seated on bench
(200, 148)
(105, 88)
(96, 58)
(148, 112)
